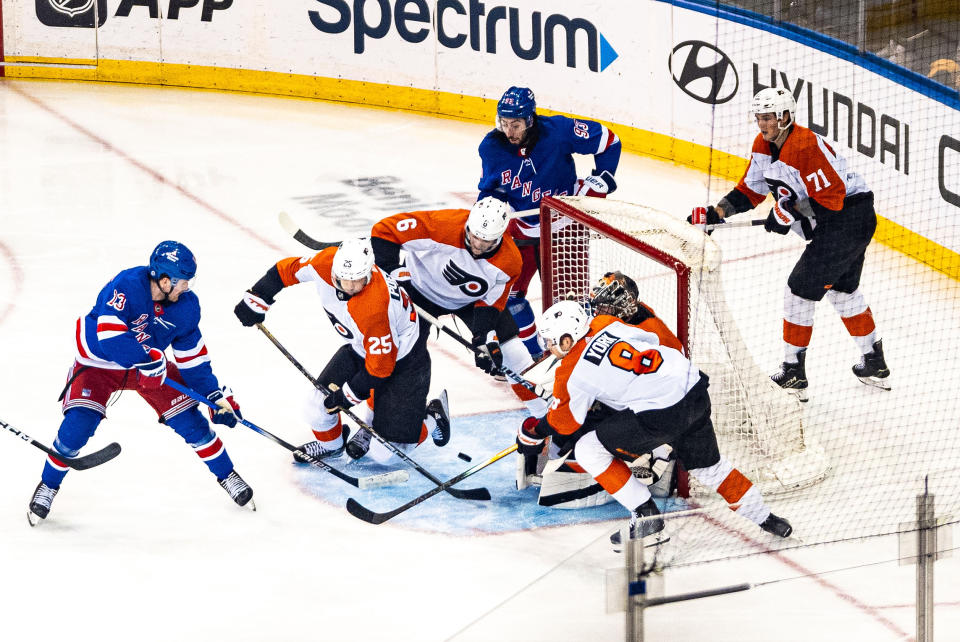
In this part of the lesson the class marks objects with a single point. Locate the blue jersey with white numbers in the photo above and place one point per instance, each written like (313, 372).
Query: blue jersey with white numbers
(545, 167)
(125, 323)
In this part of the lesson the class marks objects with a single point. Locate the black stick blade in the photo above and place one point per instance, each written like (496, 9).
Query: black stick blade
(359, 511)
(101, 456)
(481, 493)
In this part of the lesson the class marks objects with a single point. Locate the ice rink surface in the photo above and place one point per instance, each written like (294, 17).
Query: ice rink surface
(149, 548)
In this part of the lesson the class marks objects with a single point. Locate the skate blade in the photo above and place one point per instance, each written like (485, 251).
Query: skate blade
(873, 382)
(33, 518)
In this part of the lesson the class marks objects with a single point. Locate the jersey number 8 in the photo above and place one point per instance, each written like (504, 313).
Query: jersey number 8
(625, 356)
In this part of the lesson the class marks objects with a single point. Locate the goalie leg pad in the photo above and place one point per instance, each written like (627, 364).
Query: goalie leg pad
(569, 490)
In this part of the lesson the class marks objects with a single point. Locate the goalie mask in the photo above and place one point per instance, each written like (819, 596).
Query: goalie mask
(563, 319)
(353, 262)
(616, 294)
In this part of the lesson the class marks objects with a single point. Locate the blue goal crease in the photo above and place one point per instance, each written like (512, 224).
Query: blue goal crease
(478, 436)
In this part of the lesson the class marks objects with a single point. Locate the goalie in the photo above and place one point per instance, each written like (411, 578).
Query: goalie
(654, 396)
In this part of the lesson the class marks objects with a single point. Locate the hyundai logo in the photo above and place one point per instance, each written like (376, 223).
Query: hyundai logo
(703, 74)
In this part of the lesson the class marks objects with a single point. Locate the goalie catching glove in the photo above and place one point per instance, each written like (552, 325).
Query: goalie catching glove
(228, 410)
(598, 184)
(486, 352)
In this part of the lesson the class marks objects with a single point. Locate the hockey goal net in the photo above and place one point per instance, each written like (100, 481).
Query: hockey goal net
(677, 268)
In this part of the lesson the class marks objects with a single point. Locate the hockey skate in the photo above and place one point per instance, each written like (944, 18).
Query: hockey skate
(439, 409)
(793, 376)
(777, 526)
(650, 530)
(320, 450)
(358, 446)
(40, 503)
(239, 490)
(872, 369)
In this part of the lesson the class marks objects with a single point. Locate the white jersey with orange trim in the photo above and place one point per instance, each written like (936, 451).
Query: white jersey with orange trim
(807, 168)
(621, 366)
(440, 265)
(379, 322)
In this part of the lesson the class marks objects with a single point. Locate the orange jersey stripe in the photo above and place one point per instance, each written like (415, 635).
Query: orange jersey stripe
(369, 310)
(321, 262)
(803, 152)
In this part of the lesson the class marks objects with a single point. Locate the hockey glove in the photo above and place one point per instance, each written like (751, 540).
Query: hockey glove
(530, 437)
(779, 220)
(151, 374)
(701, 217)
(228, 410)
(487, 354)
(598, 184)
(340, 399)
(251, 310)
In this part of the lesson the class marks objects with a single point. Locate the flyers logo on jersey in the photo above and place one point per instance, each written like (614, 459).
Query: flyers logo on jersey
(468, 283)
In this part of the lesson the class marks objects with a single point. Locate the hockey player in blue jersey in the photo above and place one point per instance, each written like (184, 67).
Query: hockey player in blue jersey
(120, 346)
(528, 157)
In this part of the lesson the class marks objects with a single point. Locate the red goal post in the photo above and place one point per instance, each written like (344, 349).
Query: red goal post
(677, 269)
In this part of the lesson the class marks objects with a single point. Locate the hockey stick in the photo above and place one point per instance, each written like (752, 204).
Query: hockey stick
(361, 512)
(471, 493)
(294, 230)
(373, 481)
(101, 456)
(434, 321)
(746, 222)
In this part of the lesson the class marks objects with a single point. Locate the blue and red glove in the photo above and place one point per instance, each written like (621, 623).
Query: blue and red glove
(228, 410)
(152, 373)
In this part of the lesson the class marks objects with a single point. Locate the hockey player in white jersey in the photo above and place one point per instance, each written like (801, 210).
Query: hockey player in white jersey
(648, 394)
(461, 262)
(819, 198)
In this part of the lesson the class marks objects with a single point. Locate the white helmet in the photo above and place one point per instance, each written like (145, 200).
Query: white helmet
(353, 260)
(774, 100)
(488, 219)
(561, 319)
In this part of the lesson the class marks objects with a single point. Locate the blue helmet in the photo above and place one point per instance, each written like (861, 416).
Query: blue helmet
(517, 102)
(174, 260)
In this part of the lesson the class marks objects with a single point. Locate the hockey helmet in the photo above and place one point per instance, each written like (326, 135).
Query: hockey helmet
(774, 100)
(616, 294)
(353, 260)
(488, 219)
(517, 102)
(566, 318)
(174, 260)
